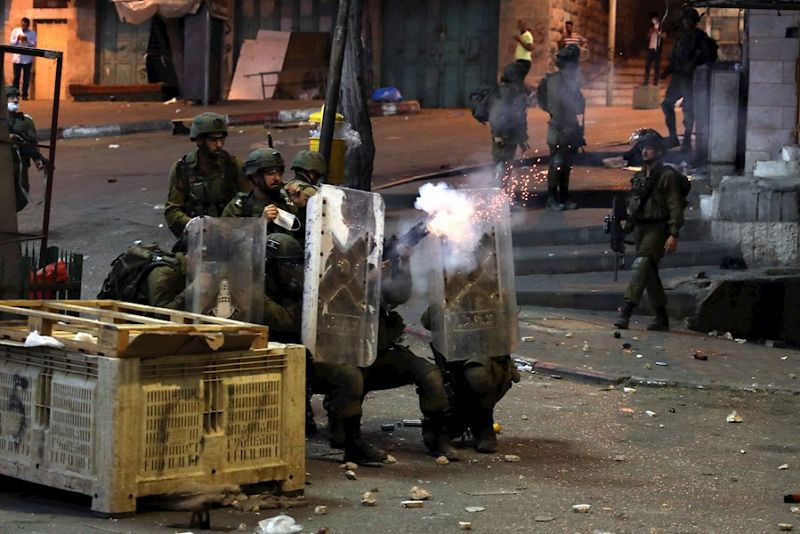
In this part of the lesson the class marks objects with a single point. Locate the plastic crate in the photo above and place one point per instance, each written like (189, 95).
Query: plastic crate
(121, 428)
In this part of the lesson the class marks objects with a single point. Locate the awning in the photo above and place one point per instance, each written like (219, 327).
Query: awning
(138, 11)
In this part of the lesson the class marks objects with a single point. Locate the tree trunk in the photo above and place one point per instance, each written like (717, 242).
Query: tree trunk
(358, 164)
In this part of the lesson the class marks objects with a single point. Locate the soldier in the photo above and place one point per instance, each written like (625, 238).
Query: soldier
(508, 118)
(264, 168)
(564, 133)
(204, 180)
(309, 169)
(692, 48)
(22, 131)
(655, 209)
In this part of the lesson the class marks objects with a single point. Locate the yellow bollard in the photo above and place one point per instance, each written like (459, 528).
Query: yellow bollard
(338, 146)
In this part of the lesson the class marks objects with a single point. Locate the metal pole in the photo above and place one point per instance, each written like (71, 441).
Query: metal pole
(334, 81)
(48, 192)
(612, 50)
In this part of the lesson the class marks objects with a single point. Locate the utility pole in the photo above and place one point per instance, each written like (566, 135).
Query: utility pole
(334, 81)
(612, 50)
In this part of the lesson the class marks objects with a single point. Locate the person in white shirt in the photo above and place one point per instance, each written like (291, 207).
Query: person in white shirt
(23, 36)
(654, 39)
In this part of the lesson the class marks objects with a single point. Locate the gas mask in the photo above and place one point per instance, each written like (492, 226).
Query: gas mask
(13, 106)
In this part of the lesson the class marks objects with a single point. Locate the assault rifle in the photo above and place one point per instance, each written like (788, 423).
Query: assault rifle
(393, 249)
(612, 224)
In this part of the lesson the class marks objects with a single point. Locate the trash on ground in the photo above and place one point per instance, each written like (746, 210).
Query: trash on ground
(497, 427)
(740, 341)
(635, 338)
(368, 499)
(569, 334)
(419, 494)
(734, 417)
(640, 356)
(524, 417)
(413, 504)
(650, 413)
(783, 466)
(786, 527)
(728, 336)
(321, 510)
(528, 339)
(280, 524)
(473, 509)
(628, 390)
(350, 474)
(442, 460)
(388, 427)
(795, 509)
(464, 525)
(86, 337)
(619, 458)
(662, 364)
(412, 422)
(113, 146)
(350, 466)
(390, 460)
(544, 518)
(511, 458)
(617, 334)
(581, 508)
(586, 347)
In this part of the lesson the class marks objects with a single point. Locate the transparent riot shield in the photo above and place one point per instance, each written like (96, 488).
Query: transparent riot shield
(225, 267)
(341, 297)
(473, 305)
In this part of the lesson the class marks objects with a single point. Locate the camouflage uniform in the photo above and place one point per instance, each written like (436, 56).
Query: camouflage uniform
(247, 205)
(564, 133)
(508, 115)
(660, 216)
(194, 191)
(166, 284)
(22, 125)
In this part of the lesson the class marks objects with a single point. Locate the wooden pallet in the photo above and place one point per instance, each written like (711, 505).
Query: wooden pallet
(122, 329)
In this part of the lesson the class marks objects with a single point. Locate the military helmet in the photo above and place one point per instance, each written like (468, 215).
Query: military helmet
(569, 54)
(283, 246)
(11, 91)
(284, 263)
(208, 123)
(651, 138)
(511, 74)
(637, 136)
(690, 13)
(310, 160)
(263, 158)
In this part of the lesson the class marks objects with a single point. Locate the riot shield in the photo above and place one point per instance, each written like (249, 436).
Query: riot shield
(341, 297)
(473, 305)
(225, 267)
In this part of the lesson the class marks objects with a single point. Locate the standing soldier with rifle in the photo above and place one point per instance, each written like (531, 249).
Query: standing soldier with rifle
(23, 136)
(655, 209)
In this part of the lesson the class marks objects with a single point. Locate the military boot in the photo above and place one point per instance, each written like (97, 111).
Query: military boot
(355, 448)
(483, 430)
(624, 317)
(661, 321)
(436, 438)
(335, 433)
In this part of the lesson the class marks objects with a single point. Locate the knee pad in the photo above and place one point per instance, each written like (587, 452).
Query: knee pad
(478, 378)
(348, 378)
(642, 262)
(432, 382)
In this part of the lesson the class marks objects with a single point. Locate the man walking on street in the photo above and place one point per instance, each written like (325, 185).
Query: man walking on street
(23, 36)
(564, 133)
(655, 214)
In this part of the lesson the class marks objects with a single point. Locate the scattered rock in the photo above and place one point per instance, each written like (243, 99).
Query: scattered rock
(734, 417)
(569, 335)
(581, 508)
(544, 518)
(473, 509)
(648, 365)
(786, 527)
(740, 341)
(511, 458)
(626, 345)
(387, 427)
(321, 510)
(650, 413)
(350, 466)
(442, 460)
(628, 390)
(464, 525)
(700, 356)
(528, 339)
(419, 494)
(728, 336)
(586, 347)
(792, 375)
(662, 364)
(368, 499)
(617, 334)
(795, 509)
(635, 338)
(783, 466)
(413, 504)
(619, 458)
(390, 460)
(524, 417)
(350, 474)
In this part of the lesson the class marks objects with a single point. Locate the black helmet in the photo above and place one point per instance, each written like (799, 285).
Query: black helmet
(284, 263)
(650, 137)
(569, 54)
(691, 14)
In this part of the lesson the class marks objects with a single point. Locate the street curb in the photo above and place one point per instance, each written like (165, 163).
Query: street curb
(593, 377)
(376, 109)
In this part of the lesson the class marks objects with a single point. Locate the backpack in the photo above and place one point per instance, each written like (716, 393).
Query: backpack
(541, 92)
(480, 100)
(130, 269)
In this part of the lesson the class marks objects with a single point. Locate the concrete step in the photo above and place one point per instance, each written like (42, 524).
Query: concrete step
(599, 291)
(563, 259)
(525, 236)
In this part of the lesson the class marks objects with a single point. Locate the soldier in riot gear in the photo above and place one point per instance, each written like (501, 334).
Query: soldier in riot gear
(655, 214)
(309, 169)
(264, 168)
(508, 118)
(564, 133)
(692, 48)
(22, 131)
(204, 180)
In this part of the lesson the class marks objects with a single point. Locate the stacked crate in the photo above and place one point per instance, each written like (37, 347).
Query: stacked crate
(144, 400)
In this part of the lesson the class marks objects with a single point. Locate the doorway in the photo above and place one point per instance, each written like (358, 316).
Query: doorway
(51, 35)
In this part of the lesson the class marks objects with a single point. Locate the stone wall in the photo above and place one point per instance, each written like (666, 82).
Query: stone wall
(772, 106)
(536, 15)
(590, 18)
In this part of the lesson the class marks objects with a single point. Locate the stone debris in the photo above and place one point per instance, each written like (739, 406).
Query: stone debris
(368, 499)
(442, 460)
(350, 466)
(734, 417)
(700, 356)
(785, 527)
(662, 364)
(628, 390)
(413, 504)
(419, 494)
(528, 339)
(586, 347)
(795, 509)
(650, 413)
(648, 365)
(544, 518)
(728, 336)
(581, 508)
(390, 460)
(635, 338)
(473, 509)
(511, 458)
(783, 466)
(464, 525)
(619, 458)
(617, 334)
(321, 510)
(350, 474)
(569, 335)
(740, 341)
